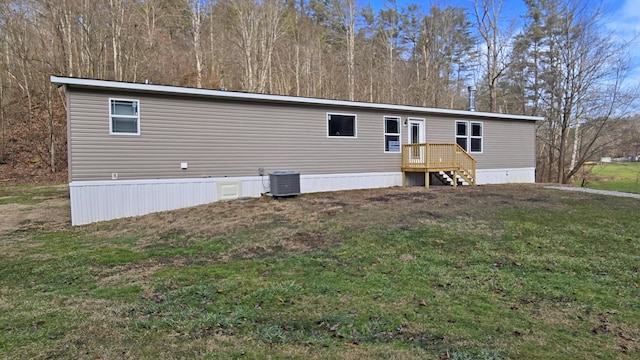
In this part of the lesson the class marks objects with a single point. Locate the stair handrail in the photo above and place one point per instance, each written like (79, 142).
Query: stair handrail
(435, 155)
(465, 162)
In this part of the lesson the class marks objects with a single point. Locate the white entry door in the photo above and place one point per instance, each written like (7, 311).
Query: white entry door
(417, 135)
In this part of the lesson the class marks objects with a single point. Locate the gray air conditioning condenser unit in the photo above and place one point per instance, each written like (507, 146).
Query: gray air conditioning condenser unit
(284, 183)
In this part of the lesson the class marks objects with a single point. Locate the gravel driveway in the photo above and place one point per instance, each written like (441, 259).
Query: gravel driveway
(595, 191)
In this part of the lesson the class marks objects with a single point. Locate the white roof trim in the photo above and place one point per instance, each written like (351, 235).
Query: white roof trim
(116, 85)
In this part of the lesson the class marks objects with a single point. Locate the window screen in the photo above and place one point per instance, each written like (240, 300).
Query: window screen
(124, 117)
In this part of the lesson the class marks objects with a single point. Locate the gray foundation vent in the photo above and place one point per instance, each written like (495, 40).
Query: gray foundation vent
(284, 183)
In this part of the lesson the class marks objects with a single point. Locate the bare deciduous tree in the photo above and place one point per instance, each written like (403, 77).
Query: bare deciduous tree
(496, 45)
(582, 72)
(564, 66)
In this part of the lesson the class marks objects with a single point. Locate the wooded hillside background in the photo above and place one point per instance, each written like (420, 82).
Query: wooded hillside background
(557, 61)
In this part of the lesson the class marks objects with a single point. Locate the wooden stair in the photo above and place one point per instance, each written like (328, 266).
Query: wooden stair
(448, 163)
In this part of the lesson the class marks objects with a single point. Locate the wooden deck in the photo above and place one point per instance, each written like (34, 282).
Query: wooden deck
(449, 162)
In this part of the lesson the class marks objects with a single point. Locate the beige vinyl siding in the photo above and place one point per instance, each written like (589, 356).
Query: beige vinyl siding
(69, 160)
(218, 138)
(505, 143)
(440, 130)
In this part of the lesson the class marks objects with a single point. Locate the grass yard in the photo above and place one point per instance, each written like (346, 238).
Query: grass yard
(614, 176)
(488, 272)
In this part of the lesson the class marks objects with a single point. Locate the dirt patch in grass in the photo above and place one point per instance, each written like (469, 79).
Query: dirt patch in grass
(255, 228)
(135, 273)
(51, 214)
(265, 227)
(299, 242)
(297, 220)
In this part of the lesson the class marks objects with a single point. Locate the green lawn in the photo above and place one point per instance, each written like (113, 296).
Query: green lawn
(26, 194)
(487, 272)
(615, 176)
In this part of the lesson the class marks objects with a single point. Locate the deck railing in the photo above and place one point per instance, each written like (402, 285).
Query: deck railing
(432, 157)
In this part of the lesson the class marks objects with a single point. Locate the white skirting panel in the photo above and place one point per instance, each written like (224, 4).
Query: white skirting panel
(93, 201)
(503, 176)
(337, 182)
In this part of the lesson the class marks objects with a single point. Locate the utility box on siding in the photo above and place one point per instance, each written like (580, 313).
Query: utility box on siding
(284, 183)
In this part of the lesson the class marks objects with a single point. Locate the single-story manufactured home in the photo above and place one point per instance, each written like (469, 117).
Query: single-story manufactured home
(141, 148)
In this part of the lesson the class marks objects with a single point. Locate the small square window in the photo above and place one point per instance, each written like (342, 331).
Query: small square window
(124, 125)
(121, 107)
(461, 128)
(341, 125)
(392, 143)
(392, 125)
(462, 141)
(476, 129)
(124, 117)
(476, 145)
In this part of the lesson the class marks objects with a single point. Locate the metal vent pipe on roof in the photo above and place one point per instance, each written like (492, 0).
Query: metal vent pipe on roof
(472, 98)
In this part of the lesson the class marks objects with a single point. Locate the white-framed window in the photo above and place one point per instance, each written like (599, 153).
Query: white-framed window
(475, 138)
(342, 125)
(462, 134)
(124, 117)
(392, 134)
(469, 136)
